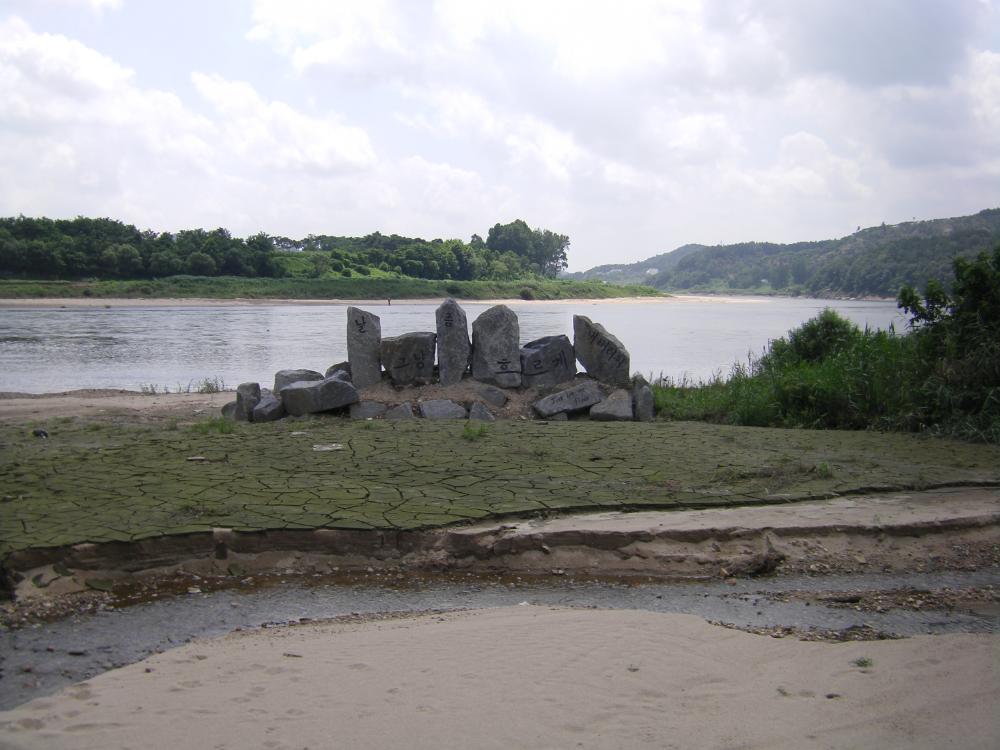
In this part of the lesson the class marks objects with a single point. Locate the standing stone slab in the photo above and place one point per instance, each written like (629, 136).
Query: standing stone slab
(409, 359)
(287, 377)
(364, 342)
(453, 345)
(643, 403)
(401, 411)
(575, 398)
(270, 409)
(441, 408)
(548, 361)
(313, 396)
(247, 397)
(496, 352)
(602, 355)
(615, 408)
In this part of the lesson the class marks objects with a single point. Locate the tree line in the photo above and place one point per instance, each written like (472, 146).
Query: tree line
(107, 248)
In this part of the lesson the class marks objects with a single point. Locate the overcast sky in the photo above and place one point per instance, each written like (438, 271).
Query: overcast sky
(633, 127)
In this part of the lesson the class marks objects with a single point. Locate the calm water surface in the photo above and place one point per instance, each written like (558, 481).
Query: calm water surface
(51, 350)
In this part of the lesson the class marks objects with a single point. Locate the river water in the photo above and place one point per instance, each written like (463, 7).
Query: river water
(59, 349)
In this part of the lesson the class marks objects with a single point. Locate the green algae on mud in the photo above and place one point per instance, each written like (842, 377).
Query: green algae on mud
(126, 482)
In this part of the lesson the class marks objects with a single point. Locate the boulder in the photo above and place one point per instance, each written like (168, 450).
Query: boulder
(287, 377)
(496, 347)
(479, 412)
(603, 356)
(247, 397)
(409, 359)
(364, 347)
(643, 403)
(453, 345)
(402, 411)
(574, 398)
(312, 396)
(547, 361)
(229, 410)
(269, 409)
(367, 410)
(615, 408)
(342, 368)
(492, 395)
(441, 408)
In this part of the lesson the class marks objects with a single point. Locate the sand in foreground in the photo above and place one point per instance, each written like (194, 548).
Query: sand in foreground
(529, 677)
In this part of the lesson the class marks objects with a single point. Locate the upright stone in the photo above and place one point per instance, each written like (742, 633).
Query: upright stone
(453, 345)
(247, 397)
(603, 356)
(643, 403)
(364, 347)
(547, 361)
(409, 359)
(496, 348)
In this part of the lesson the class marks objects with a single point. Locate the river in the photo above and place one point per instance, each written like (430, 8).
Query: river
(45, 350)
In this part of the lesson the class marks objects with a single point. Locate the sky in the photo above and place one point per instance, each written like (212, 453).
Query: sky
(633, 126)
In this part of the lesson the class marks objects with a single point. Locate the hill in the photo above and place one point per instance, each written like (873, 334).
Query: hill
(875, 262)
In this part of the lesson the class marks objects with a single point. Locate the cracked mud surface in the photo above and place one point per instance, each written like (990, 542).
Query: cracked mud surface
(105, 481)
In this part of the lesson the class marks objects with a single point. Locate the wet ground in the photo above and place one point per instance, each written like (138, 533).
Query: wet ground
(39, 659)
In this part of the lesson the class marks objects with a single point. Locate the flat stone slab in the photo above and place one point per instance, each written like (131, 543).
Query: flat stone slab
(574, 398)
(496, 348)
(547, 361)
(400, 411)
(283, 378)
(603, 356)
(364, 347)
(454, 349)
(409, 359)
(442, 408)
(314, 396)
(367, 410)
(615, 408)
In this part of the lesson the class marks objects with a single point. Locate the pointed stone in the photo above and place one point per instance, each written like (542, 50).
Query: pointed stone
(602, 355)
(496, 347)
(453, 345)
(364, 347)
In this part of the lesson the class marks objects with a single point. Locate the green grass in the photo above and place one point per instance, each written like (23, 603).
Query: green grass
(333, 287)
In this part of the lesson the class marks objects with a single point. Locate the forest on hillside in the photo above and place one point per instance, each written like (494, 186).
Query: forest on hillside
(88, 248)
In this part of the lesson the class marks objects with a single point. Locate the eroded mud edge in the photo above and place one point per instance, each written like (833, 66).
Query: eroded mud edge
(964, 543)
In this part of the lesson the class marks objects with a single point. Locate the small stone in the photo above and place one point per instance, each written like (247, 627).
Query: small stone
(602, 355)
(401, 411)
(229, 410)
(269, 409)
(367, 410)
(311, 397)
(441, 408)
(547, 361)
(560, 417)
(342, 368)
(492, 395)
(615, 408)
(453, 346)
(283, 378)
(247, 398)
(479, 412)
(409, 359)
(496, 351)
(364, 347)
(574, 398)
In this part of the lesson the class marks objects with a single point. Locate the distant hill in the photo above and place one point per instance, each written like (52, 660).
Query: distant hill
(875, 262)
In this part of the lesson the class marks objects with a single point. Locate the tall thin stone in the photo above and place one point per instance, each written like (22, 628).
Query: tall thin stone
(453, 345)
(496, 349)
(603, 356)
(364, 344)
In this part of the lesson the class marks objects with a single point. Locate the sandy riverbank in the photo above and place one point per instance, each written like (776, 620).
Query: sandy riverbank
(529, 677)
(92, 302)
(17, 407)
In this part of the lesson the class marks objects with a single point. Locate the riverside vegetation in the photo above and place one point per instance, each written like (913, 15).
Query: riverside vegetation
(942, 376)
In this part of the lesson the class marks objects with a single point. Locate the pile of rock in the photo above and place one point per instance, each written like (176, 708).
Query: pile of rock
(494, 356)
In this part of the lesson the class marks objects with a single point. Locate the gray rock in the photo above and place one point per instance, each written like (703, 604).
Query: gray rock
(402, 411)
(615, 408)
(364, 347)
(453, 346)
(560, 417)
(441, 408)
(643, 403)
(548, 361)
(496, 352)
(342, 368)
(367, 410)
(479, 412)
(574, 398)
(229, 410)
(247, 397)
(492, 395)
(312, 396)
(287, 377)
(409, 359)
(269, 409)
(602, 355)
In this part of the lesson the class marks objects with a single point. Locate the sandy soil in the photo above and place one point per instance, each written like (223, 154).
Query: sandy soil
(529, 677)
(16, 407)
